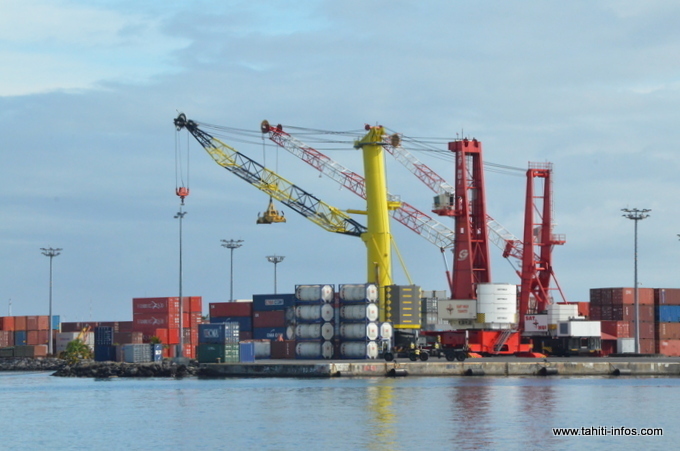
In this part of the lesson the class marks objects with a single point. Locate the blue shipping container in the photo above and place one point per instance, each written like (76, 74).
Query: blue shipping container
(103, 335)
(218, 333)
(104, 353)
(56, 321)
(245, 323)
(157, 352)
(20, 338)
(267, 302)
(268, 333)
(668, 313)
(247, 351)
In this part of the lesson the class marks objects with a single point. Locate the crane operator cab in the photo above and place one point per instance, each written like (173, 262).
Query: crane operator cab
(271, 215)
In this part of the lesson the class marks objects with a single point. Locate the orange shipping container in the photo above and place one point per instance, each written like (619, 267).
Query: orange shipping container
(7, 323)
(668, 347)
(627, 296)
(192, 304)
(619, 329)
(32, 338)
(647, 346)
(31, 323)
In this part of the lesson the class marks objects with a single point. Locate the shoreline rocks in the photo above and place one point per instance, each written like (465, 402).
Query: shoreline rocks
(88, 368)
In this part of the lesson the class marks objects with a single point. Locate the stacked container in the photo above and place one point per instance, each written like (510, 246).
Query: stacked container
(615, 308)
(218, 343)
(273, 320)
(29, 331)
(104, 350)
(234, 312)
(359, 329)
(314, 321)
(667, 329)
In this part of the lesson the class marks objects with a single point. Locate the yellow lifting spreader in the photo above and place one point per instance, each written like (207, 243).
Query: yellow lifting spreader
(271, 215)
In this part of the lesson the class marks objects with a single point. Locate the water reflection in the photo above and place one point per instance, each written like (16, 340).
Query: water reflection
(470, 411)
(382, 416)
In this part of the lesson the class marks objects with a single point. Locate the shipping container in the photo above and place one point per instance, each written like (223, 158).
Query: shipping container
(272, 318)
(218, 333)
(618, 329)
(218, 353)
(62, 340)
(6, 338)
(246, 352)
(579, 329)
(266, 302)
(283, 349)
(20, 323)
(192, 304)
(145, 321)
(137, 353)
(104, 353)
(7, 323)
(667, 296)
(667, 331)
(20, 338)
(270, 333)
(668, 347)
(244, 322)
(227, 309)
(625, 345)
(121, 338)
(668, 313)
(627, 296)
(647, 346)
(155, 305)
(103, 335)
(595, 312)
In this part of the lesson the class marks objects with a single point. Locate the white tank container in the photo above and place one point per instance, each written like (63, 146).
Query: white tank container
(314, 293)
(365, 292)
(321, 312)
(359, 312)
(359, 350)
(314, 350)
(290, 332)
(497, 302)
(386, 331)
(263, 349)
(496, 288)
(359, 331)
(315, 331)
(497, 318)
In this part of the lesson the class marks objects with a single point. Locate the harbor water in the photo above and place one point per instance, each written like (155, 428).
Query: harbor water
(44, 412)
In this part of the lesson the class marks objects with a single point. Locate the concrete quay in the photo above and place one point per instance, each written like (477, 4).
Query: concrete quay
(471, 367)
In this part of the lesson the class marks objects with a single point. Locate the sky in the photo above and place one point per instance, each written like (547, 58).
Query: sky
(89, 90)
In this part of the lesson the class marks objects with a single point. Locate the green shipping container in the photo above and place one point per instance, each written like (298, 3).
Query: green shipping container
(6, 352)
(217, 353)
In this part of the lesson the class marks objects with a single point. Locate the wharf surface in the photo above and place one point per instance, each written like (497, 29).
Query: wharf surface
(488, 366)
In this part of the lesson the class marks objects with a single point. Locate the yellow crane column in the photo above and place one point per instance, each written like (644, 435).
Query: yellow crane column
(377, 237)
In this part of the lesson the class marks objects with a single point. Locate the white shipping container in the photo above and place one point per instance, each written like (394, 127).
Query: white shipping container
(558, 313)
(64, 338)
(625, 345)
(457, 309)
(579, 329)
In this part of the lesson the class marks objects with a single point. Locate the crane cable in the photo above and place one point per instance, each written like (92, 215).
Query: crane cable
(181, 186)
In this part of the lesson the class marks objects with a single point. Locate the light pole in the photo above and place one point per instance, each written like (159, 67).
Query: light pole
(276, 259)
(231, 245)
(636, 215)
(50, 252)
(180, 215)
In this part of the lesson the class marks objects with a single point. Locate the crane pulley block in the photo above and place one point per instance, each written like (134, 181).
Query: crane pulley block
(270, 216)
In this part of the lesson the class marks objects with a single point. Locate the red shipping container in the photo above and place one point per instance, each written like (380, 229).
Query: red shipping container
(245, 335)
(20, 323)
(225, 309)
(32, 338)
(607, 313)
(43, 337)
(155, 305)
(647, 329)
(155, 321)
(162, 335)
(6, 338)
(40, 351)
(618, 329)
(43, 322)
(667, 296)
(192, 304)
(195, 319)
(584, 309)
(121, 338)
(7, 323)
(627, 296)
(670, 348)
(31, 323)
(272, 318)
(596, 312)
(125, 326)
(608, 347)
(189, 351)
(283, 349)
(647, 346)
(667, 331)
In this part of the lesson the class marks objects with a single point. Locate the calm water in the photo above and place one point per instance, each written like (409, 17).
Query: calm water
(43, 412)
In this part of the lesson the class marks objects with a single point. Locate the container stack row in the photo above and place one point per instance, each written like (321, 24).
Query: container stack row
(314, 321)
(26, 336)
(667, 303)
(160, 318)
(219, 343)
(359, 329)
